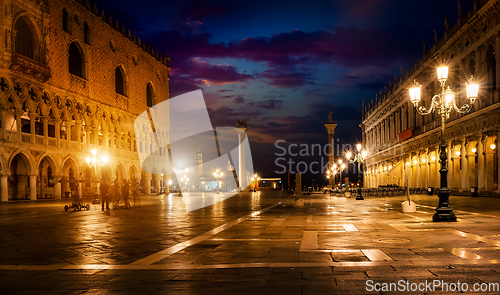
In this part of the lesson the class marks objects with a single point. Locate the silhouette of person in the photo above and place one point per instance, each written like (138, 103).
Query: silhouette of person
(105, 194)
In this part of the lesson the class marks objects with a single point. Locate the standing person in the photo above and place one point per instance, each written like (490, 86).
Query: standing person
(125, 193)
(105, 194)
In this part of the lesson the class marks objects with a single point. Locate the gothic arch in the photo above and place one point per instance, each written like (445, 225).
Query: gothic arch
(30, 160)
(121, 80)
(77, 60)
(35, 34)
(56, 168)
(72, 161)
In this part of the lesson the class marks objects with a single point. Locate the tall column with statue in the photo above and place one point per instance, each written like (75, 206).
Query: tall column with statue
(330, 127)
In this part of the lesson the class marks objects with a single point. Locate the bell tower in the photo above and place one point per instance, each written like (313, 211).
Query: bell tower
(199, 161)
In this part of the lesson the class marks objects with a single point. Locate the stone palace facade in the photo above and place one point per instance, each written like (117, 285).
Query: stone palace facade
(73, 80)
(397, 136)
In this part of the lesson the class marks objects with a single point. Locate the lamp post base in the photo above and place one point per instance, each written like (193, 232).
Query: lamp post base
(444, 213)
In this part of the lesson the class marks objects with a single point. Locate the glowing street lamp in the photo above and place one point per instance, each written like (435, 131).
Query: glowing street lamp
(443, 104)
(359, 157)
(93, 162)
(218, 174)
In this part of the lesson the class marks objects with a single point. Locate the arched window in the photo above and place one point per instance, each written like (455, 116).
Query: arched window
(86, 33)
(65, 20)
(24, 39)
(149, 95)
(120, 81)
(75, 60)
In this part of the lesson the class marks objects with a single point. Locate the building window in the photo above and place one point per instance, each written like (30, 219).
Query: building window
(120, 81)
(86, 33)
(75, 60)
(24, 39)
(65, 21)
(149, 95)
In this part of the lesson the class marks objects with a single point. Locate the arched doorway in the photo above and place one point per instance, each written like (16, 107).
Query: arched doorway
(45, 179)
(19, 184)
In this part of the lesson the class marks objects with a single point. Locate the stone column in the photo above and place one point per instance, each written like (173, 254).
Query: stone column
(158, 186)
(330, 127)
(471, 164)
(147, 184)
(464, 184)
(57, 187)
(68, 135)
(241, 150)
(428, 171)
(489, 184)
(418, 172)
(4, 188)
(57, 125)
(32, 183)
(79, 134)
(451, 176)
(19, 113)
(32, 127)
(480, 160)
(95, 138)
(45, 131)
(4, 123)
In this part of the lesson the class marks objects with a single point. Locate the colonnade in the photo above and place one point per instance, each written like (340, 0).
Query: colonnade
(472, 162)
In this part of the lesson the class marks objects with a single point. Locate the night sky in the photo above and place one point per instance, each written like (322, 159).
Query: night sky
(283, 65)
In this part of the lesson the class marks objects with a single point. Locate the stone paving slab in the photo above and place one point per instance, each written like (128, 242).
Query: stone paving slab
(253, 252)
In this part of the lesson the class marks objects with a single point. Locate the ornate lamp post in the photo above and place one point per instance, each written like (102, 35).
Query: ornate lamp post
(359, 157)
(93, 162)
(444, 103)
(218, 174)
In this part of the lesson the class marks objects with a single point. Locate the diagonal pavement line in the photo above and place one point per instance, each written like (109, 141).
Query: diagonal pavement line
(181, 246)
(473, 236)
(376, 255)
(399, 226)
(349, 227)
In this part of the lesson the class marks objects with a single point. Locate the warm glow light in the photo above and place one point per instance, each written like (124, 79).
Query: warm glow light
(448, 97)
(457, 153)
(87, 160)
(328, 176)
(415, 162)
(442, 73)
(327, 171)
(407, 163)
(385, 168)
(105, 159)
(340, 161)
(472, 90)
(348, 155)
(364, 154)
(170, 182)
(358, 147)
(415, 94)
(343, 166)
(94, 152)
(423, 160)
(493, 146)
(334, 166)
(390, 166)
(473, 150)
(433, 158)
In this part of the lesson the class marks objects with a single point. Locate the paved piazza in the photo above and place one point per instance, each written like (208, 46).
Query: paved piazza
(251, 243)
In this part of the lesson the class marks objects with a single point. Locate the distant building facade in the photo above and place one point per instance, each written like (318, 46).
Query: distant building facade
(73, 80)
(397, 136)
